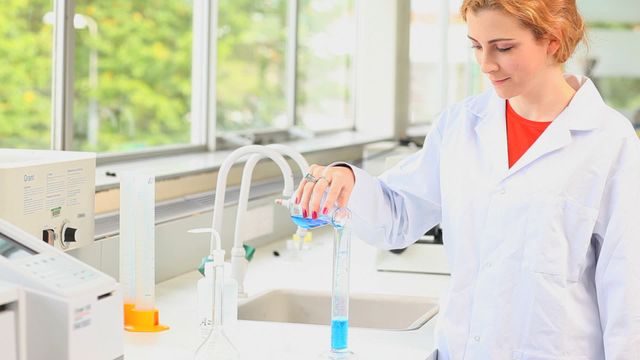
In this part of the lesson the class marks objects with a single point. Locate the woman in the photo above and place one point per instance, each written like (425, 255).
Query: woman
(536, 184)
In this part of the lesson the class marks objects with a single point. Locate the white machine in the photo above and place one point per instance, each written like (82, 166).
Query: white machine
(50, 194)
(12, 334)
(421, 257)
(73, 312)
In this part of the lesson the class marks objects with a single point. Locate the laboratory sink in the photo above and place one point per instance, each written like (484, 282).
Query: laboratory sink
(387, 312)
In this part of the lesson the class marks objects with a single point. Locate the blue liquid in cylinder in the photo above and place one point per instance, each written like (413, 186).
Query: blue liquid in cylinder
(339, 330)
(309, 223)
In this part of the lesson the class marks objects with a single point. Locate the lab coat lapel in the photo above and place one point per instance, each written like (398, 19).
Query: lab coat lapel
(555, 137)
(491, 128)
(491, 131)
(579, 115)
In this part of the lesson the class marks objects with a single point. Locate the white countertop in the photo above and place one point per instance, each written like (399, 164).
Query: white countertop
(176, 301)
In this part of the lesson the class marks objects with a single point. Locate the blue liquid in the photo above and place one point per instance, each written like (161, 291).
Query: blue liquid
(339, 329)
(309, 223)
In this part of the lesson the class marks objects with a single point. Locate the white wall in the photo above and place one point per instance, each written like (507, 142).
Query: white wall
(616, 53)
(382, 66)
(610, 10)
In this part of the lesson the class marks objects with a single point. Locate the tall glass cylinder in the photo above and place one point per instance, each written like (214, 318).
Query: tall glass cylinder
(340, 291)
(137, 244)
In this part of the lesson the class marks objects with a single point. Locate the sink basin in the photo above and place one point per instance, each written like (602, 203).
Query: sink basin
(387, 312)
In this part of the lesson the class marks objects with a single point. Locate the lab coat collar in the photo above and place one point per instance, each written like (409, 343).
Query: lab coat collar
(582, 104)
(580, 111)
(489, 109)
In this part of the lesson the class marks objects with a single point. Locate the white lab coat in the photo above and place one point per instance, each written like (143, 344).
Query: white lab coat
(545, 256)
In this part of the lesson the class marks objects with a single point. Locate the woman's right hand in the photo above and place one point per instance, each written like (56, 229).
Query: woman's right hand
(339, 179)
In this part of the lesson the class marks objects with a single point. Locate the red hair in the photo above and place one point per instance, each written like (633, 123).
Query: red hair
(556, 19)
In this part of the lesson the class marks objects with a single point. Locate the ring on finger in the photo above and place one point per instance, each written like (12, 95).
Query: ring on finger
(310, 178)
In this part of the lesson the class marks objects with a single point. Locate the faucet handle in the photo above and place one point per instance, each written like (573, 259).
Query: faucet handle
(283, 202)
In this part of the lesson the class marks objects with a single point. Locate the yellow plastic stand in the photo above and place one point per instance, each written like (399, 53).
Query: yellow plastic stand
(142, 320)
(308, 237)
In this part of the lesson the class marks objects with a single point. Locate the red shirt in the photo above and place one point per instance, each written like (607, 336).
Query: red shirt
(521, 134)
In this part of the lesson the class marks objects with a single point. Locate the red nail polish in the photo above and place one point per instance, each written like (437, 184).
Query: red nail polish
(297, 200)
(314, 215)
(325, 211)
(304, 213)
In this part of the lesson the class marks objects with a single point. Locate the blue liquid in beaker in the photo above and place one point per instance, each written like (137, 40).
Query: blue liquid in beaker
(339, 330)
(308, 223)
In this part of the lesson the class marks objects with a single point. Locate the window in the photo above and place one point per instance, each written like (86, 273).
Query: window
(326, 42)
(132, 74)
(130, 87)
(251, 70)
(616, 77)
(443, 70)
(25, 94)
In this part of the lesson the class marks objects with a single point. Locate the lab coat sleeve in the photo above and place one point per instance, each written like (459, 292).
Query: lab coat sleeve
(617, 275)
(394, 210)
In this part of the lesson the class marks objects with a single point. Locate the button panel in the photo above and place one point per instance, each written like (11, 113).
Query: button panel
(58, 271)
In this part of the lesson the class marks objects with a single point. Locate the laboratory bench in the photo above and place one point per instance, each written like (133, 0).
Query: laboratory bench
(310, 269)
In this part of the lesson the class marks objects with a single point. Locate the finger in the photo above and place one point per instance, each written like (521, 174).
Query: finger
(299, 191)
(304, 182)
(316, 170)
(345, 194)
(334, 191)
(304, 198)
(344, 176)
(316, 197)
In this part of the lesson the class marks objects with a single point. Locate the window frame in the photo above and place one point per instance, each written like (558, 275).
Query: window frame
(204, 134)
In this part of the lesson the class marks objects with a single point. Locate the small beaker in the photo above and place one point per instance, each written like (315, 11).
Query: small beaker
(297, 215)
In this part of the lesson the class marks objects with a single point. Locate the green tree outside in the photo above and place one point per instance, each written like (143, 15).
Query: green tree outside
(25, 74)
(144, 74)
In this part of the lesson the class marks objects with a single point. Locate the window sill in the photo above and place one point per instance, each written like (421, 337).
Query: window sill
(181, 165)
(417, 132)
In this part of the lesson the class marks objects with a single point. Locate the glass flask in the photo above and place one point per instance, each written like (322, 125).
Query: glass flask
(217, 346)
